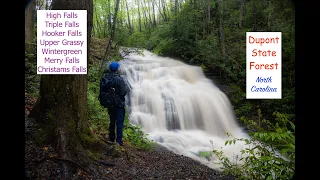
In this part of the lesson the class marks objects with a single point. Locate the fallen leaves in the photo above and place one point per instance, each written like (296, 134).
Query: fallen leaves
(29, 102)
(45, 148)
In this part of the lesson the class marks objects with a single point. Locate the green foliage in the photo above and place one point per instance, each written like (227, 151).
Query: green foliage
(246, 107)
(122, 36)
(206, 154)
(193, 37)
(268, 155)
(94, 75)
(98, 115)
(208, 51)
(99, 118)
(164, 47)
(185, 29)
(137, 39)
(40, 137)
(136, 136)
(32, 79)
(160, 33)
(238, 95)
(190, 36)
(161, 41)
(286, 104)
(242, 106)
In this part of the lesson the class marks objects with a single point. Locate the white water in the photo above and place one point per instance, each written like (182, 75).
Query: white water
(179, 107)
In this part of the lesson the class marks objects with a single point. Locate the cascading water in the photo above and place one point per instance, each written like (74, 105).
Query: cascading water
(179, 108)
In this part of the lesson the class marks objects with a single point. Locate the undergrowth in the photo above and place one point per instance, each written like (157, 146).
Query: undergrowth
(99, 118)
(32, 79)
(269, 152)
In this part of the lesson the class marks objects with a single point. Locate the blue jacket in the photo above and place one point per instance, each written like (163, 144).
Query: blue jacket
(121, 88)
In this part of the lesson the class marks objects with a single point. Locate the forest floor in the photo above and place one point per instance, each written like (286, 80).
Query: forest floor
(129, 162)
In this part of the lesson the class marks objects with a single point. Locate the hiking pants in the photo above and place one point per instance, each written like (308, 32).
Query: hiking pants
(116, 115)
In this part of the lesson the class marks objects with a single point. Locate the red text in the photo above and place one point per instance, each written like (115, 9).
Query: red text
(256, 52)
(273, 66)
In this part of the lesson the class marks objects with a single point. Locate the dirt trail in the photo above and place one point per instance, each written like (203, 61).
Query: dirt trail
(130, 162)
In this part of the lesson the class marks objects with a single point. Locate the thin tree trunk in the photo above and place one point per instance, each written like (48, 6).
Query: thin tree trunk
(139, 16)
(165, 10)
(158, 6)
(254, 16)
(120, 18)
(180, 4)
(129, 21)
(209, 10)
(149, 13)
(47, 4)
(154, 14)
(221, 32)
(98, 28)
(114, 22)
(175, 7)
(145, 15)
(29, 21)
(109, 16)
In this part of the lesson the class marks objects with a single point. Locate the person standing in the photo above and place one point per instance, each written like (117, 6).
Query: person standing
(116, 110)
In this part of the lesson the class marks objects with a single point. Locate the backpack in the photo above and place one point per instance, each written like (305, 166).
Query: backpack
(107, 92)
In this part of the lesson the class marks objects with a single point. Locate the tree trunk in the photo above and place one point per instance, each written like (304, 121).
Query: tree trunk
(175, 7)
(209, 15)
(139, 16)
(158, 7)
(29, 22)
(149, 13)
(63, 100)
(114, 21)
(254, 16)
(109, 16)
(120, 18)
(113, 29)
(166, 15)
(47, 4)
(221, 31)
(154, 14)
(145, 15)
(129, 21)
(98, 24)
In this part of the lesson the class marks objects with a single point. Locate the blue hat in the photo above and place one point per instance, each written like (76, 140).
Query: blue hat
(114, 66)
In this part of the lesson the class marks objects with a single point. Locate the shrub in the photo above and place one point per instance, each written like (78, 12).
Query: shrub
(136, 136)
(270, 153)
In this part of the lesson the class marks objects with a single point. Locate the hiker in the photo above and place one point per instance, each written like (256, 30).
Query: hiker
(116, 109)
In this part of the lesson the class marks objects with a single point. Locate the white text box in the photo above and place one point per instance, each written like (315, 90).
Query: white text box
(62, 42)
(263, 67)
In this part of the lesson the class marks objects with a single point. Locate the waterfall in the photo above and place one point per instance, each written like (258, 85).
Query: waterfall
(179, 108)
